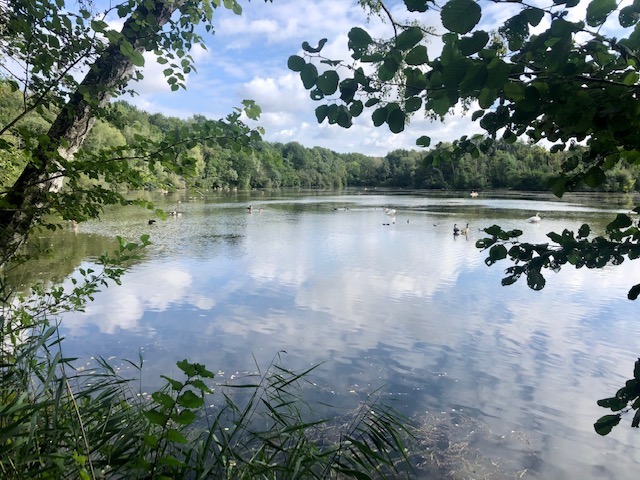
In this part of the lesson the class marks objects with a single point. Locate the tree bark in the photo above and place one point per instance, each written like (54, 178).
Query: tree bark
(29, 197)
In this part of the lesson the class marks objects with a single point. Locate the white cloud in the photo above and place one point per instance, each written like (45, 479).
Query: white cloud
(247, 59)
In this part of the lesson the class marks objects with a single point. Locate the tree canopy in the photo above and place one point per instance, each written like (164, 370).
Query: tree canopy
(65, 59)
(553, 73)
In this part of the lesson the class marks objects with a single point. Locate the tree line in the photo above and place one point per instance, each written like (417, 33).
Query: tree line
(505, 165)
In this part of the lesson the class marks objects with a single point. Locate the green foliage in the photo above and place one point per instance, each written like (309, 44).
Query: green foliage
(626, 399)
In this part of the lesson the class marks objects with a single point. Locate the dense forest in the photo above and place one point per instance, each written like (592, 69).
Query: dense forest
(275, 165)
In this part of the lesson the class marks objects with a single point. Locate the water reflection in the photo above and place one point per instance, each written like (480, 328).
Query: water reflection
(405, 304)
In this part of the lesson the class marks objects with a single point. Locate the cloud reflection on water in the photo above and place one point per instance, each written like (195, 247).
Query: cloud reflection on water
(407, 305)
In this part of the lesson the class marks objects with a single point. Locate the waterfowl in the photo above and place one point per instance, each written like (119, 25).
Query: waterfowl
(456, 230)
(473, 193)
(464, 230)
(151, 221)
(535, 219)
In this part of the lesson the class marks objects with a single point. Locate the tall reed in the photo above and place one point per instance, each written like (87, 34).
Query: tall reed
(57, 421)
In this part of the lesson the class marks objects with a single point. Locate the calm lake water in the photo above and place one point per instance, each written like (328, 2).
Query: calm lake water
(505, 378)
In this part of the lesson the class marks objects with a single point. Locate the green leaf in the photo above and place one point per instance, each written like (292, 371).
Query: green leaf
(328, 82)
(409, 38)
(423, 141)
(356, 108)
(185, 417)
(535, 280)
(440, 105)
(309, 75)
(344, 117)
(534, 16)
(321, 113)
(163, 399)
(634, 292)
(379, 116)
(621, 221)
(498, 73)
(514, 91)
(599, 10)
(396, 120)
(629, 16)
(417, 56)
(308, 48)
(176, 385)
(584, 231)
(614, 403)
(200, 385)
(635, 423)
(605, 424)
(476, 115)
(190, 400)
(474, 43)
(460, 16)
(98, 26)
(175, 436)
(296, 63)
(486, 98)
(416, 5)
(359, 41)
(413, 104)
(156, 417)
(497, 252)
(594, 177)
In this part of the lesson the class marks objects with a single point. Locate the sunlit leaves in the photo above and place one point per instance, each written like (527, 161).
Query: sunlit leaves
(460, 16)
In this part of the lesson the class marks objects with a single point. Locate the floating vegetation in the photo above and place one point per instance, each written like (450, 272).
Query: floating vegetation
(449, 445)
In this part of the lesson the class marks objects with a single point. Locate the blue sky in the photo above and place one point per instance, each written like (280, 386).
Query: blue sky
(247, 59)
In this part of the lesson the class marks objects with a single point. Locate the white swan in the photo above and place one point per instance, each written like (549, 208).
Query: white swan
(535, 219)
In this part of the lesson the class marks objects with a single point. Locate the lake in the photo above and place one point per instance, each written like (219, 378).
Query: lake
(503, 381)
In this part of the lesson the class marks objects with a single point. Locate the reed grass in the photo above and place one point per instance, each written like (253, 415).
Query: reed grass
(59, 422)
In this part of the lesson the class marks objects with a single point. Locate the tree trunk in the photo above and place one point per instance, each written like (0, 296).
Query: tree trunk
(29, 197)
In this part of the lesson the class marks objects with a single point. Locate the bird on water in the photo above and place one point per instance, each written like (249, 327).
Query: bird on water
(535, 219)
(456, 230)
